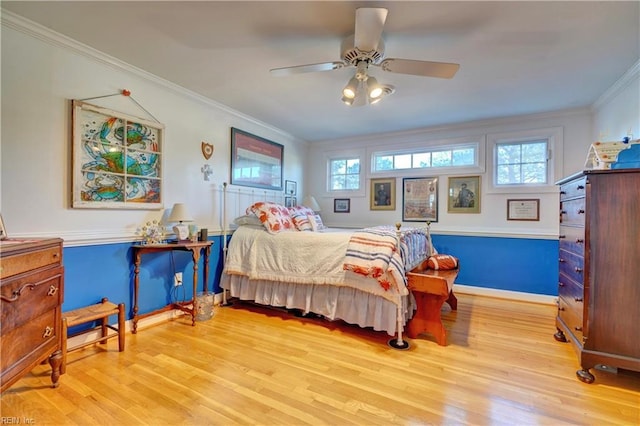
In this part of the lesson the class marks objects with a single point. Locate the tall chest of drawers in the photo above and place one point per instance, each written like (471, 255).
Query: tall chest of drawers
(31, 296)
(599, 278)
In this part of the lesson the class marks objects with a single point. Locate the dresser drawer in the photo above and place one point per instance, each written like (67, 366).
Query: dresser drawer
(572, 293)
(572, 212)
(26, 343)
(30, 295)
(572, 239)
(573, 189)
(571, 319)
(572, 265)
(13, 265)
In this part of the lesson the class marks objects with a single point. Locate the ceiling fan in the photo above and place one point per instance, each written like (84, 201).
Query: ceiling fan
(366, 48)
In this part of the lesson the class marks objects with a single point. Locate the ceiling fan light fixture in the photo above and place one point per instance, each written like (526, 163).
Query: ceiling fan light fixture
(374, 90)
(351, 88)
(348, 101)
(386, 90)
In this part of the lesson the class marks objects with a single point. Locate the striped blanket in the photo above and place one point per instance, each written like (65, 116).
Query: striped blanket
(373, 252)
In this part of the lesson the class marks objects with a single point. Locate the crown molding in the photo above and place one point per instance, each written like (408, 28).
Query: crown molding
(26, 26)
(627, 78)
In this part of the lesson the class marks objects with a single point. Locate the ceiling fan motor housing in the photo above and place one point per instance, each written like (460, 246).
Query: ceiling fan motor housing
(352, 55)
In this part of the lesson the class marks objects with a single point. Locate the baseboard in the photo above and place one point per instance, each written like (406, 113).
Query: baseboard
(505, 294)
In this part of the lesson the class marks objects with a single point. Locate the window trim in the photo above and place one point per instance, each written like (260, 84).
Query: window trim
(479, 141)
(555, 142)
(342, 155)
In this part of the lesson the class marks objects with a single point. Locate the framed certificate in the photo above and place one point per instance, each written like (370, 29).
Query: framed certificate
(523, 209)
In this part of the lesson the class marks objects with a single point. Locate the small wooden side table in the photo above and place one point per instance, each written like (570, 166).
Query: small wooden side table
(196, 249)
(431, 289)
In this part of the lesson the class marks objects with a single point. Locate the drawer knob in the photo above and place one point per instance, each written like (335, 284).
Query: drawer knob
(580, 187)
(55, 255)
(579, 241)
(48, 332)
(561, 284)
(52, 290)
(563, 212)
(578, 270)
(560, 308)
(563, 192)
(578, 299)
(581, 211)
(562, 236)
(578, 328)
(561, 260)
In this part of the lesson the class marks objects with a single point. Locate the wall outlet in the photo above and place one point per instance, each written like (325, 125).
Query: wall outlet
(177, 279)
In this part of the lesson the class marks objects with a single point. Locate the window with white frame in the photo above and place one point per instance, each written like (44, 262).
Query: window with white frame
(344, 174)
(525, 158)
(521, 163)
(437, 157)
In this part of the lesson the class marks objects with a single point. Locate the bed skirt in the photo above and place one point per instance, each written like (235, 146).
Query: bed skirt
(333, 302)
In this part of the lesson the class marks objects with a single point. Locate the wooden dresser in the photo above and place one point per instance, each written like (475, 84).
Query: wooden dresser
(599, 279)
(31, 295)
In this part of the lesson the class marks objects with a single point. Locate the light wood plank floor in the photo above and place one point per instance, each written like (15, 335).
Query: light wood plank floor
(251, 365)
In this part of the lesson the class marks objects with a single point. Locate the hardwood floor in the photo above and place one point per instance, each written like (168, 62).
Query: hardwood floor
(250, 365)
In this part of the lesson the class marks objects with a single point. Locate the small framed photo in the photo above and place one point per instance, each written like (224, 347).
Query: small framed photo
(290, 188)
(383, 194)
(3, 230)
(420, 199)
(341, 205)
(464, 194)
(523, 209)
(290, 202)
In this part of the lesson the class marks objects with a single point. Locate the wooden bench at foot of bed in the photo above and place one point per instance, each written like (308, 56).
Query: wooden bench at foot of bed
(431, 289)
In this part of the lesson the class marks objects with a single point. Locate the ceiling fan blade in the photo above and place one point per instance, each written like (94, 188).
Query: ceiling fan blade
(369, 24)
(421, 68)
(299, 69)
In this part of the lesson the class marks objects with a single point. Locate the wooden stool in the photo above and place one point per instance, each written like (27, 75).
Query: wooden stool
(431, 289)
(101, 311)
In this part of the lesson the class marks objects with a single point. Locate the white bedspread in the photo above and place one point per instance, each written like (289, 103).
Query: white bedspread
(300, 257)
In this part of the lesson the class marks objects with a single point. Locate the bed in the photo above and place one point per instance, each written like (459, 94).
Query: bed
(358, 276)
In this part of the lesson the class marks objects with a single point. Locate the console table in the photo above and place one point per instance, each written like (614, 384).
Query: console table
(196, 249)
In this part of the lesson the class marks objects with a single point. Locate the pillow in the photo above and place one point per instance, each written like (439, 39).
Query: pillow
(442, 262)
(249, 219)
(300, 220)
(274, 217)
(316, 222)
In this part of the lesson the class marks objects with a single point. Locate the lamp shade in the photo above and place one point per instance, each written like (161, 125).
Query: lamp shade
(310, 201)
(179, 213)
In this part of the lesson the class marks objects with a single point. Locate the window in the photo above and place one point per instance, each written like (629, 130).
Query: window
(525, 161)
(344, 174)
(449, 156)
(521, 163)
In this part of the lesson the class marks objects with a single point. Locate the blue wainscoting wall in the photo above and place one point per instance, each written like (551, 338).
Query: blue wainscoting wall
(516, 264)
(106, 270)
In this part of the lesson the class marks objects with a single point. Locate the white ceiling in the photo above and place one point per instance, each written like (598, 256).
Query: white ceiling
(516, 57)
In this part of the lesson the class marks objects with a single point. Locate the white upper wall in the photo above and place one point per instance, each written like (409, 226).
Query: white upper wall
(41, 74)
(43, 71)
(615, 115)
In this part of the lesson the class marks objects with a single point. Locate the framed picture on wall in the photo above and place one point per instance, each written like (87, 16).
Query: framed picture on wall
(464, 194)
(342, 205)
(523, 209)
(290, 201)
(383, 194)
(290, 188)
(420, 199)
(255, 161)
(117, 160)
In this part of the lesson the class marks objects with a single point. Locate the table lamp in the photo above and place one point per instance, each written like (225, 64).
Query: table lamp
(180, 214)
(310, 201)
